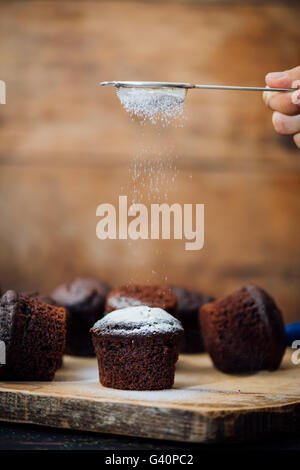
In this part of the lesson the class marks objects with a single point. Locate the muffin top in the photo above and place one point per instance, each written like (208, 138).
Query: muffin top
(13, 304)
(133, 295)
(80, 291)
(140, 320)
(38, 296)
(250, 302)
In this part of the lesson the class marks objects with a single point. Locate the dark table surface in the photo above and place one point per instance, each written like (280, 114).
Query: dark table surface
(28, 437)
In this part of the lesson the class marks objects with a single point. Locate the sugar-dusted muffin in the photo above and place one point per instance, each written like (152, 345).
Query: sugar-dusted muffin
(189, 303)
(84, 301)
(152, 296)
(34, 336)
(137, 348)
(244, 331)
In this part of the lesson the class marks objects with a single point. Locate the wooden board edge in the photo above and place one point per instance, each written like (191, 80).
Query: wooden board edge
(149, 421)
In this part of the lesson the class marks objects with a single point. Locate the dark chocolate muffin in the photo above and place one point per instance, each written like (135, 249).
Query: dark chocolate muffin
(34, 336)
(133, 295)
(189, 303)
(47, 300)
(244, 332)
(84, 300)
(137, 348)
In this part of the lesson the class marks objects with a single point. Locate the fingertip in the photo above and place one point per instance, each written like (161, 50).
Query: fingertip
(274, 76)
(296, 84)
(278, 80)
(296, 97)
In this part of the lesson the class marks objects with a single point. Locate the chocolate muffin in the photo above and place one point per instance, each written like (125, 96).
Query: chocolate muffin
(244, 332)
(47, 300)
(34, 336)
(133, 295)
(189, 303)
(84, 301)
(137, 348)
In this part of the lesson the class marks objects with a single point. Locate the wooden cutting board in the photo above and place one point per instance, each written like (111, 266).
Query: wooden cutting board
(204, 405)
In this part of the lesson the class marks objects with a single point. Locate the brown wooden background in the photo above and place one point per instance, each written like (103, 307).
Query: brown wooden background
(66, 145)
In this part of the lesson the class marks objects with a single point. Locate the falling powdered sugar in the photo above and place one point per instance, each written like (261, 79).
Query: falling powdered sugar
(162, 105)
(153, 170)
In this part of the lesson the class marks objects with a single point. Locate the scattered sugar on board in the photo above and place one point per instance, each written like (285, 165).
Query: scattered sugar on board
(188, 395)
(162, 105)
(141, 319)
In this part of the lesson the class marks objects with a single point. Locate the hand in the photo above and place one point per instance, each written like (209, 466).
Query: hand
(286, 106)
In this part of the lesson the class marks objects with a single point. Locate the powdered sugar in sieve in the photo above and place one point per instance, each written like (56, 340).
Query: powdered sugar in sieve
(153, 104)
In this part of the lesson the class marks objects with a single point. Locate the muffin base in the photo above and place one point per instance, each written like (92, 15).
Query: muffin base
(137, 363)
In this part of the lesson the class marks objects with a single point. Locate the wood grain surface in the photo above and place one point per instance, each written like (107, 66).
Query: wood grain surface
(204, 405)
(66, 145)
